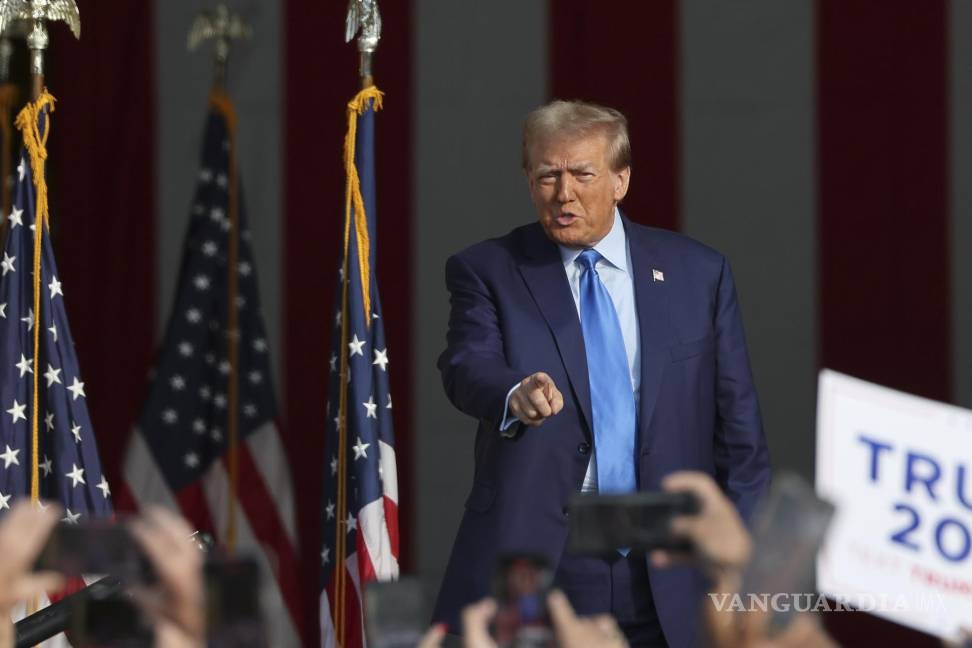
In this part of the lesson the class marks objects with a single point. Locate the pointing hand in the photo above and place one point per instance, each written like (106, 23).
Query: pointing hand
(536, 399)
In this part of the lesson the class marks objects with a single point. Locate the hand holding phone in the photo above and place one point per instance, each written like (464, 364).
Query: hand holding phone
(521, 585)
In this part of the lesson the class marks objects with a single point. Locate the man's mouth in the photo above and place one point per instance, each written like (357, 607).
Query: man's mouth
(564, 219)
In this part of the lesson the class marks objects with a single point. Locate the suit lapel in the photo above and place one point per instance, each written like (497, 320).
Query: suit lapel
(543, 271)
(655, 331)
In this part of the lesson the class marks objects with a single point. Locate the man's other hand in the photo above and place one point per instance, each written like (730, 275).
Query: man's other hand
(536, 399)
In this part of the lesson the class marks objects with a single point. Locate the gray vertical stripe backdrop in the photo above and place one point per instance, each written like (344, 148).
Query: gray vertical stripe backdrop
(749, 190)
(479, 68)
(254, 84)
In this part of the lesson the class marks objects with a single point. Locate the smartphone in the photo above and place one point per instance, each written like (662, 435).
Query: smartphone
(233, 613)
(601, 524)
(788, 530)
(395, 613)
(521, 584)
(113, 621)
(96, 547)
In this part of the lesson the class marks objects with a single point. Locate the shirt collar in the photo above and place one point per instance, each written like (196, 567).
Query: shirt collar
(613, 247)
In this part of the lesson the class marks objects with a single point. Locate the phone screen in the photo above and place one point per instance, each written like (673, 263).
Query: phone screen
(521, 586)
(395, 613)
(96, 547)
(601, 524)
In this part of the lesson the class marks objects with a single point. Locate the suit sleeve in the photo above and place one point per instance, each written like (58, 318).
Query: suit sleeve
(475, 372)
(740, 452)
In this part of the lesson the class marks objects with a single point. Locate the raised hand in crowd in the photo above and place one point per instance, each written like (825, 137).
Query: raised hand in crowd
(721, 542)
(23, 533)
(723, 548)
(572, 631)
(177, 604)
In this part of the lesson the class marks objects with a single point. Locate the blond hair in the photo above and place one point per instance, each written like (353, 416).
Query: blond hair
(576, 120)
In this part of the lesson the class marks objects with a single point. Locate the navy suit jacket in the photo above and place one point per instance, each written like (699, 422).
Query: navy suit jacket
(512, 314)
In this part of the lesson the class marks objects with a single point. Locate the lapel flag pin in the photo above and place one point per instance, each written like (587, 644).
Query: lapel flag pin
(657, 275)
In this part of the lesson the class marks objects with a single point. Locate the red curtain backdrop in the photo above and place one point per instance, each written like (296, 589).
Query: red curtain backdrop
(627, 58)
(102, 178)
(320, 80)
(883, 171)
(884, 301)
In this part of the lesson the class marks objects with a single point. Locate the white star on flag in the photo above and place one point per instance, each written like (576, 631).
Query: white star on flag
(76, 431)
(69, 517)
(49, 421)
(55, 287)
(4, 499)
(53, 331)
(52, 375)
(16, 218)
(29, 319)
(24, 365)
(8, 264)
(371, 407)
(325, 556)
(103, 485)
(10, 457)
(329, 510)
(355, 346)
(381, 359)
(46, 466)
(77, 388)
(17, 411)
(352, 523)
(360, 450)
(76, 475)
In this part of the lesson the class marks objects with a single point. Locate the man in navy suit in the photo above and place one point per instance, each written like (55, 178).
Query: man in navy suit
(598, 355)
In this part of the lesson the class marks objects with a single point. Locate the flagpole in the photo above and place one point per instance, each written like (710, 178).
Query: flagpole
(362, 15)
(223, 27)
(35, 142)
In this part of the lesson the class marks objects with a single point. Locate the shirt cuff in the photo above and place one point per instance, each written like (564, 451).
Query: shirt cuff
(508, 420)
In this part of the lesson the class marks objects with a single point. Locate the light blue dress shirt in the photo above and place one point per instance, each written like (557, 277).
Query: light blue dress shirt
(614, 269)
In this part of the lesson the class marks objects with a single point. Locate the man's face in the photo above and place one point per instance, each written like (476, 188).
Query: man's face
(574, 189)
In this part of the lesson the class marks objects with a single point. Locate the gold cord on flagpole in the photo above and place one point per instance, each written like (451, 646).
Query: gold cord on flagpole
(353, 208)
(370, 96)
(224, 106)
(28, 121)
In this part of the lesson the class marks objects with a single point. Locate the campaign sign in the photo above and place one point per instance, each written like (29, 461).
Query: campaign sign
(899, 469)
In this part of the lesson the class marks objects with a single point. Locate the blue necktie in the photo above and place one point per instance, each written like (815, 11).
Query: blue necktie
(612, 399)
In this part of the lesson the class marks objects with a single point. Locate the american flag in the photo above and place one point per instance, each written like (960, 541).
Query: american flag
(180, 452)
(69, 469)
(360, 516)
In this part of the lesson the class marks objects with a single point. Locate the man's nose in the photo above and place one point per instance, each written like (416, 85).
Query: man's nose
(565, 189)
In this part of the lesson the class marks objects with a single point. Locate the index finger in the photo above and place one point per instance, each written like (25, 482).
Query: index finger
(541, 380)
(561, 612)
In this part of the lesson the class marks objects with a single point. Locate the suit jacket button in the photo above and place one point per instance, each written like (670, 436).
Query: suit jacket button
(583, 447)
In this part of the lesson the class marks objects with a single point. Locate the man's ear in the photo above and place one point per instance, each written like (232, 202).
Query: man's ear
(621, 180)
